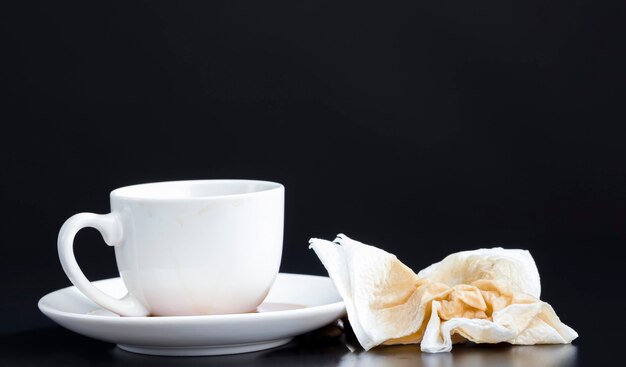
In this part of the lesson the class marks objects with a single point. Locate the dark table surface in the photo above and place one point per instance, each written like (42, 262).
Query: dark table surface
(55, 346)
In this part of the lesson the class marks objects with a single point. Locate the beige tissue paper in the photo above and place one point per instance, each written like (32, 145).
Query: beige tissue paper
(484, 296)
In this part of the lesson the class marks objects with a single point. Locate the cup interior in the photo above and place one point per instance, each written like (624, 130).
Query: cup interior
(195, 189)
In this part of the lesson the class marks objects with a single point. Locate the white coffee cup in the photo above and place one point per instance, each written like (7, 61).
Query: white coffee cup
(186, 247)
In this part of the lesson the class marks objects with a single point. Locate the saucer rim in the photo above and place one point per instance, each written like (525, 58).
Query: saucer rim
(300, 312)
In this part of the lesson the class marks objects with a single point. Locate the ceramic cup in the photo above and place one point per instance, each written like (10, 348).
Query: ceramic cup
(186, 247)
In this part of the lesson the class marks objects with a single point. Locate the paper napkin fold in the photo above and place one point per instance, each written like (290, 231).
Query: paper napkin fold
(484, 296)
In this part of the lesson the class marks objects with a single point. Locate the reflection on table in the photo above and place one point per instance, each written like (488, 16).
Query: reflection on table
(59, 347)
(311, 350)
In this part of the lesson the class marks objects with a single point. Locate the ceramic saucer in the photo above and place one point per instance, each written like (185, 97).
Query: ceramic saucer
(295, 305)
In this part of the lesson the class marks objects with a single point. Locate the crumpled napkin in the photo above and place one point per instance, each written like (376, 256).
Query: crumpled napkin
(484, 296)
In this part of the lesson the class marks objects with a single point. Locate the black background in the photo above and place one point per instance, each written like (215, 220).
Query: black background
(420, 127)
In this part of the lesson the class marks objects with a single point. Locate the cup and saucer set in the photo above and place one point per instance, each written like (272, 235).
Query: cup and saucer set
(199, 265)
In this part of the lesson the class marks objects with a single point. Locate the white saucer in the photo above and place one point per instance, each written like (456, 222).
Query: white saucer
(295, 305)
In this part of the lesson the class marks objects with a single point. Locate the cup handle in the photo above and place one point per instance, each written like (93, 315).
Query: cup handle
(110, 228)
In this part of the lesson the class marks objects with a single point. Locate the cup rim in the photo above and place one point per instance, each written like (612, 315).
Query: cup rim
(119, 193)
